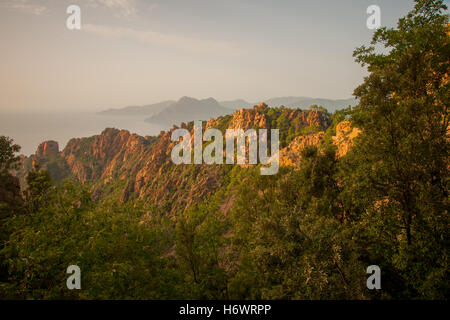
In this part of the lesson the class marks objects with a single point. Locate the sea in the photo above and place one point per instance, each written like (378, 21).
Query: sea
(29, 130)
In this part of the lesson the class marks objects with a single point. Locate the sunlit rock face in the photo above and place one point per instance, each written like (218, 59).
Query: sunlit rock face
(291, 155)
(47, 148)
(135, 167)
(345, 134)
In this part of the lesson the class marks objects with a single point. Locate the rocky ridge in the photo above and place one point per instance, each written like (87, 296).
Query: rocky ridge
(141, 167)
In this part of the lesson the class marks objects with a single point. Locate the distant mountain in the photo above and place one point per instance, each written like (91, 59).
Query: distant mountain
(293, 102)
(237, 104)
(187, 109)
(146, 111)
(305, 102)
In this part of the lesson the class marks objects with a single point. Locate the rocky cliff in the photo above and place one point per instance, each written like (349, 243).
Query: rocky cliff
(290, 156)
(47, 148)
(129, 166)
(345, 134)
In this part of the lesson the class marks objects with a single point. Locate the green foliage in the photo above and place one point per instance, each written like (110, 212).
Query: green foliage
(337, 117)
(308, 232)
(118, 253)
(8, 159)
(318, 108)
(291, 127)
(38, 191)
(200, 252)
(303, 258)
(289, 239)
(398, 170)
(11, 202)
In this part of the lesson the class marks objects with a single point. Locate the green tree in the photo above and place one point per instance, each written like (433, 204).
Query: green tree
(200, 252)
(398, 169)
(282, 123)
(119, 249)
(10, 196)
(289, 238)
(38, 192)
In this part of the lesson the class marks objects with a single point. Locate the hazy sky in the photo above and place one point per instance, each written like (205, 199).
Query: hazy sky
(133, 52)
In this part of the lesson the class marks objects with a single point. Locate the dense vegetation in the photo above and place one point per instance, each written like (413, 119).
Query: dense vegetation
(308, 232)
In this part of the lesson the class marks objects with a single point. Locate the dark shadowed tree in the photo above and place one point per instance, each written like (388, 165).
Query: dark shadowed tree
(10, 196)
(398, 169)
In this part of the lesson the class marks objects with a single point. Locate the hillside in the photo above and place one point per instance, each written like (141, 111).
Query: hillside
(357, 209)
(130, 166)
(305, 102)
(144, 111)
(237, 104)
(295, 102)
(207, 108)
(189, 109)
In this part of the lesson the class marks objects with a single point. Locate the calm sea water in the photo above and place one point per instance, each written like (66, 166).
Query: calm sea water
(29, 130)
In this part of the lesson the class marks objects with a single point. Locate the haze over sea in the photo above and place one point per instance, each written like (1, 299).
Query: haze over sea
(29, 130)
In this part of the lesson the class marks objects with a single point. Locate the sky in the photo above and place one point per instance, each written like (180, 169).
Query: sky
(136, 52)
